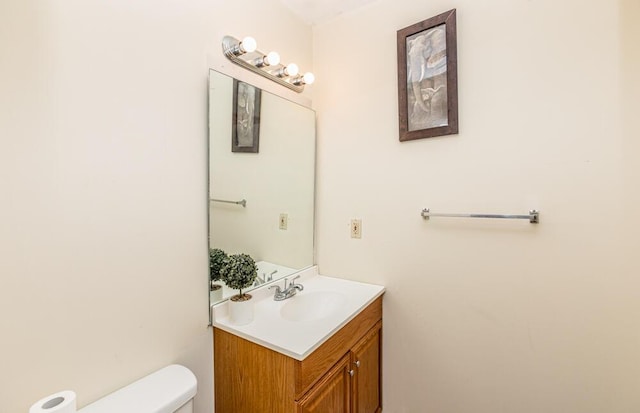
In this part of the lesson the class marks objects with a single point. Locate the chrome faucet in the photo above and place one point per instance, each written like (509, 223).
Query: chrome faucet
(289, 291)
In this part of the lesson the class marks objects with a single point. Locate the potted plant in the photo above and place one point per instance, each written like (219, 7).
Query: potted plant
(216, 261)
(239, 271)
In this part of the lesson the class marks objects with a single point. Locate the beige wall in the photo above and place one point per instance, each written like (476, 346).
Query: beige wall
(103, 170)
(486, 316)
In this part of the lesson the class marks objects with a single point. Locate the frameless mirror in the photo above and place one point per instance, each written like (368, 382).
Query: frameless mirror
(262, 152)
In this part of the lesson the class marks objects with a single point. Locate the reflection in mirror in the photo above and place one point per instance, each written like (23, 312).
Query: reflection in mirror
(275, 226)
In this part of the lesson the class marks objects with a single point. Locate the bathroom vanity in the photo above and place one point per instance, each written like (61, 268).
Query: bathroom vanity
(323, 357)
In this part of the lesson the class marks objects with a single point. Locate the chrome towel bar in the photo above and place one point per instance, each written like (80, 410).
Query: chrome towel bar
(533, 216)
(242, 202)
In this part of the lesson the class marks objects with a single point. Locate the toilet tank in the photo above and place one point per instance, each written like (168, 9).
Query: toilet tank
(168, 390)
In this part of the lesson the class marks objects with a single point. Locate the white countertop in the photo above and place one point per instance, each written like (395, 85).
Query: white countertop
(298, 339)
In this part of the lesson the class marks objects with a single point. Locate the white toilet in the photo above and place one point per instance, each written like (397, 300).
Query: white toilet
(168, 390)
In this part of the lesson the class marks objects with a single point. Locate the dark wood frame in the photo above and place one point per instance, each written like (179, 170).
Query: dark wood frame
(449, 20)
(256, 120)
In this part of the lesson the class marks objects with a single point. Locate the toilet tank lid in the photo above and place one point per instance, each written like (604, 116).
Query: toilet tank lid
(164, 391)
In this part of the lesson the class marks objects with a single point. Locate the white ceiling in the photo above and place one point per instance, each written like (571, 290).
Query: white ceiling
(318, 11)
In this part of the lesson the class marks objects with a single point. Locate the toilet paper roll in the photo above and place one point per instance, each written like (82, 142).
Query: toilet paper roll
(62, 402)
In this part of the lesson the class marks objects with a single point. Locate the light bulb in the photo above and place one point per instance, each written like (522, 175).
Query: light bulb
(308, 78)
(272, 59)
(248, 44)
(291, 69)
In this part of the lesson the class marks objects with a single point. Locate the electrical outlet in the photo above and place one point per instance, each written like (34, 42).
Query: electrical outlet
(356, 228)
(283, 221)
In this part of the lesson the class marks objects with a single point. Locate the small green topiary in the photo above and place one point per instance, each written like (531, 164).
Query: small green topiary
(239, 271)
(216, 261)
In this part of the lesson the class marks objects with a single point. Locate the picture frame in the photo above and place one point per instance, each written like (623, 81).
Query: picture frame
(428, 78)
(245, 133)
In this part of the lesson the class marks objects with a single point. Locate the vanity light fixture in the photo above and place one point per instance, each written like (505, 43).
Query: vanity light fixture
(246, 54)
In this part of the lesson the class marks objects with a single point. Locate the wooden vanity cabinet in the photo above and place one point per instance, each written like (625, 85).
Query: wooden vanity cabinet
(340, 376)
(332, 393)
(366, 363)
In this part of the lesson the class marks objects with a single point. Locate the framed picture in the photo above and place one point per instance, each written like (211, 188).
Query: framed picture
(427, 78)
(245, 133)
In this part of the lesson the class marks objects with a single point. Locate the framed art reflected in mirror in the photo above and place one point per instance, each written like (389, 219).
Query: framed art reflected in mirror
(247, 100)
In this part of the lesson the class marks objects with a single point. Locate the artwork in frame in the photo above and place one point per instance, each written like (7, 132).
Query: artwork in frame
(245, 134)
(427, 78)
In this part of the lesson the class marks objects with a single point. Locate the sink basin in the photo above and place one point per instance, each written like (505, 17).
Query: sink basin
(312, 306)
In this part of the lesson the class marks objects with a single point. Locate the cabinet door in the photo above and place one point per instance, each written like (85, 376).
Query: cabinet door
(366, 381)
(332, 393)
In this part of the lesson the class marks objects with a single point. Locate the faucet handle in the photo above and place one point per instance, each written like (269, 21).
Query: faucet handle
(277, 287)
(293, 284)
(270, 277)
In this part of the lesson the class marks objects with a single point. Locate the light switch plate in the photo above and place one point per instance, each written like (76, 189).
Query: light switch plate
(356, 228)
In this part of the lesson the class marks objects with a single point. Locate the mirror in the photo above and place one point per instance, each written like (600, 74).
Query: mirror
(275, 176)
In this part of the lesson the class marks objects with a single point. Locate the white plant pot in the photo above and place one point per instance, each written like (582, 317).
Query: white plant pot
(215, 295)
(240, 312)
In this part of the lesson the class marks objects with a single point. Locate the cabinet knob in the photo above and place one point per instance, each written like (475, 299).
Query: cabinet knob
(351, 373)
(357, 363)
